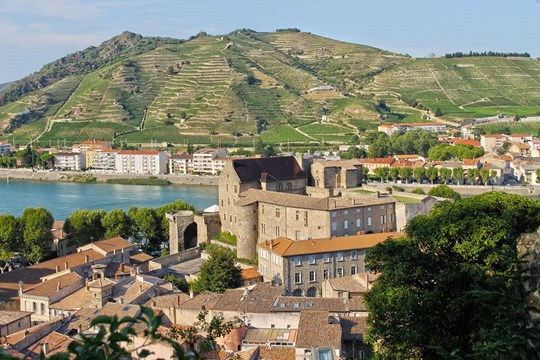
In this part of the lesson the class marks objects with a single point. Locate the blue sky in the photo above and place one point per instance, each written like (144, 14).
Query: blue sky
(35, 32)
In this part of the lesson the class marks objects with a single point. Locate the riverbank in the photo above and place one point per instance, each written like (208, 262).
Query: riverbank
(72, 176)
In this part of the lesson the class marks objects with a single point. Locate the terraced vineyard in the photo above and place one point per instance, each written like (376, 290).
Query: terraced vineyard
(246, 85)
(466, 87)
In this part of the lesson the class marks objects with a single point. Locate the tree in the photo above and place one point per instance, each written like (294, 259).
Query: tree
(538, 175)
(382, 172)
(418, 191)
(405, 173)
(419, 173)
(458, 174)
(84, 226)
(484, 174)
(493, 175)
(462, 255)
(438, 112)
(216, 328)
(432, 173)
(393, 173)
(219, 273)
(116, 223)
(445, 174)
(444, 191)
(9, 236)
(36, 225)
(146, 227)
(472, 175)
(353, 153)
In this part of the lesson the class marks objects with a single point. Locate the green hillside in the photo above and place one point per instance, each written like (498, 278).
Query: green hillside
(236, 88)
(464, 87)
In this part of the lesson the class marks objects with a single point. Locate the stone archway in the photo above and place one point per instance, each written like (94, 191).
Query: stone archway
(190, 236)
(179, 222)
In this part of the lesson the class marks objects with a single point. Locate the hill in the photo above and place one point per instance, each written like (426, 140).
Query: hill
(245, 85)
(464, 87)
(5, 85)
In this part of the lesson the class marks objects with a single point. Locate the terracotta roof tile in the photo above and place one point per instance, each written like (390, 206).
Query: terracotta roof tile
(31, 275)
(286, 247)
(314, 330)
(277, 353)
(52, 286)
(141, 257)
(81, 298)
(353, 327)
(7, 317)
(110, 245)
(250, 273)
(206, 299)
(56, 342)
(385, 161)
(168, 301)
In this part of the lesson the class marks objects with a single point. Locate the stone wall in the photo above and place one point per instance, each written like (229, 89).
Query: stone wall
(174, 259)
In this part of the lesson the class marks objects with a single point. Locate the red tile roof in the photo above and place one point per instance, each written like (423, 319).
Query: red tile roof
(388, 160)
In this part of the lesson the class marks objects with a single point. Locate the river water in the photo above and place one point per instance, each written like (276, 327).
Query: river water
(61, 199)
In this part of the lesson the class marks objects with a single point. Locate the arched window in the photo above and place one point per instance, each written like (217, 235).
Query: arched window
(311, 292)
(297, 292)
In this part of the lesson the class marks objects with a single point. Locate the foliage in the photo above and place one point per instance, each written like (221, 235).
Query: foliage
(219, 273)
(451, 288)
(353, 153)
(459, 152)
(116, 223)
(177, 205)
(151, 180)
(444, 191)
(9, 236)
(180, 283)
(432, 173)
(84, 226)
(264, 149)
(216, 328)
(146, 227)
(460, 54)
(419, 173)
(36, 225)
(227, 238)
(419, 191)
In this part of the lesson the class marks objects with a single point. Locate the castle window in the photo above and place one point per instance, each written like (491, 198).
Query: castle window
(297, 278)
(312, 259)
(312, 276)
(369, 221)
(235, 189)
(297, 261)
(263, 228)
(326, 258)
(354, 270)
(277, 230)
(297, 214)
(326, 274)
(339, 256)
(340, 271)
(278, 212)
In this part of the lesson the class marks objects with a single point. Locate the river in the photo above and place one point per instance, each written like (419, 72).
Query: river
(62, 198)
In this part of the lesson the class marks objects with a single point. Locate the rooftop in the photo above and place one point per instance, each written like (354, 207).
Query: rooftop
(250, 273)
(138, 152)
(7, 317)
(387, 160)
(307, 202)
(286, 247)
(316, 330)
(57, 343)
(278, 167)
(52, 286)
(259, 299)
(31, 275)
(79, 299)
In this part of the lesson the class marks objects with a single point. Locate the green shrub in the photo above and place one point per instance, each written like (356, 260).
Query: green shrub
(419, 191)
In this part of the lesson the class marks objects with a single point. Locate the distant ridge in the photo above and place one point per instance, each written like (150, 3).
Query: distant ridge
(288, 87)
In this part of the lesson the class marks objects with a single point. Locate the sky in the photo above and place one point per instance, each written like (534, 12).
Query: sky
(36, 32)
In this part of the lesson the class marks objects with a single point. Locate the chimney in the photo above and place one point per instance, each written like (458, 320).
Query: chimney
(367, 280)
(26, 332)
(21, 287)
(122, 267)
(378, 194)
(135, 270)
(246, 292)
(153, 303)
(45, 348)
(66, 265)
(80, 328)
(190, 294)
(120, 300)
(271, 244)
(86, 258)
(140, 289)
(178, 298)
(57, 268)
(58, 286)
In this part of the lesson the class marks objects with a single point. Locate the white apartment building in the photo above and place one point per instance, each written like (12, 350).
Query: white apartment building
(389, 129)
(101, 159)
(5, 148)
(141, 162)
(209, 161)
(181, 163)
(70, 161)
